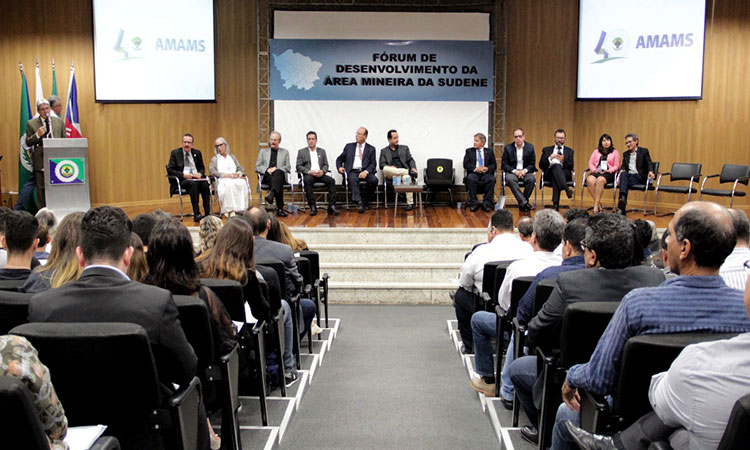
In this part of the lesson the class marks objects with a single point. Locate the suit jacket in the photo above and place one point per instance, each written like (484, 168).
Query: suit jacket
(303, 160)
(103, 295)
(346, 158)
(568, 158)
(177, 162)
(470, 160)
(36, 142)
(643, 162)
(213, 166)
(264, 161)
(265, 249)
(588, 285)
(510, 158)
(386, 156)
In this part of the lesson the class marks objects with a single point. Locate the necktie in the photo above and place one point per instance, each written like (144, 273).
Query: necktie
(558, 150)
(359, 148)
(480, 158)
(49, 128)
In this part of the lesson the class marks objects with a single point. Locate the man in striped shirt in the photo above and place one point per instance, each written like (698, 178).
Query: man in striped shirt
(735, 269)
(701, 236)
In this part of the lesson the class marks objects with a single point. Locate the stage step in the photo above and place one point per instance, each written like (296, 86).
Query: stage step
(398, 272)
(387, 253)
(393, 236)
(406, 293)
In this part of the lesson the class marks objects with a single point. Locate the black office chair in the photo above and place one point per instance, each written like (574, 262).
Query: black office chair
(231, 296)
(125, 394)
(737, 434)
(730, 173)
(680, 172)
(543, 183)
(645, 187)
(176, 189)
(305, 269)
(439, 175)
(21, 426)
(271, 289)
(505, 322)
(14, 309)
(319, 284)
(278, 267)
(543, 290)
(11, 285)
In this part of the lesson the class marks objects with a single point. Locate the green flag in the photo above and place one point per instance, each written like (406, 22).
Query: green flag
(25, 168)
(54, 79)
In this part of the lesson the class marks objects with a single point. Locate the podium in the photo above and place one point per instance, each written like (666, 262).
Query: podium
(66, 175)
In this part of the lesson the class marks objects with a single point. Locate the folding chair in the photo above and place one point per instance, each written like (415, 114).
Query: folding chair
(14, 309)
(680, 172)
(730, 173)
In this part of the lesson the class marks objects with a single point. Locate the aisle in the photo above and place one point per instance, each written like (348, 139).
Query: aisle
(390, 382)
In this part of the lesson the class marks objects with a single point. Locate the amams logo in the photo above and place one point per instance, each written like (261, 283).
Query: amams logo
(612, 45)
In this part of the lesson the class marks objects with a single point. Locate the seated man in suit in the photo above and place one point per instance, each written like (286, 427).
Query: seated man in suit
(312, 163)
(357, 161)
(20, 239)
(557, 162)
(479, 167)
(519, 165)
(186, 163)
(636, 168)
(701, 236)
(104, 293)
(273, 164)
(396, 161)
(609, 249)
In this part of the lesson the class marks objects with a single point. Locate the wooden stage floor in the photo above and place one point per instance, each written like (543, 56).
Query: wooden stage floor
(434, 217)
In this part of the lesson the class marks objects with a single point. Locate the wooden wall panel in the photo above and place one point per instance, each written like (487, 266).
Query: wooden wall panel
(129, 143)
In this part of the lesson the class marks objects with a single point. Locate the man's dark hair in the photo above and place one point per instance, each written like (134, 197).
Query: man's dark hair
(105, 233)
(664, 237)
(711, 240)
(21, 228)
(548, 228)
(560, 130)
(612, 237)
(575, 213)
(502, 220)
(741, 224)
(633, 136)
(258, 219)
(390, 134)
(192, 139)
(644, 231)
(4, 213)
(143, 224)
(526, 226)
(311, 132)
(575, 232)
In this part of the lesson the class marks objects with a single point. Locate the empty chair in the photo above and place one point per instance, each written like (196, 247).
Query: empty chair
(439, 175)
(730, 173)
(690, 172)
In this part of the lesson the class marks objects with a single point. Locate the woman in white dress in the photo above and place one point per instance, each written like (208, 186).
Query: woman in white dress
(230, 186)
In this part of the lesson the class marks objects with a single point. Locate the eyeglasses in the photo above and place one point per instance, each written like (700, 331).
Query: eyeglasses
(518, 137)
(219, 145)
(583, 245)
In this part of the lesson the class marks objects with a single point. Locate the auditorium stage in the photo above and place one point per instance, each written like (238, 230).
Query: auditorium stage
(434, 217)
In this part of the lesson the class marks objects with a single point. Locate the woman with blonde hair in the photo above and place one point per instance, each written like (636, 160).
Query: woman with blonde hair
(287, 238)
(209, 228)
(62, 265)
(138, 268)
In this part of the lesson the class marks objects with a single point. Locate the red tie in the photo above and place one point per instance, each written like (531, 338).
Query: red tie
(359, 147)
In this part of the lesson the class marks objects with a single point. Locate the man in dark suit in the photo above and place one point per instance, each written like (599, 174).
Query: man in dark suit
(479, 167)
(357, 161)
(557, 164)
(636, 168)
(519, 165)
(43, 126)
(312, 163)
(186, 163)
(396, 161)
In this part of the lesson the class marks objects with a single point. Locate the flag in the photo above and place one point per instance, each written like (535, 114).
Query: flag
(39, 93)
(72, 125)
(54, 85)
(25, 168)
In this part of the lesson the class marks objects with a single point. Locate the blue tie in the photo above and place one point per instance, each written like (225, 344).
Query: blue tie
(479, 158)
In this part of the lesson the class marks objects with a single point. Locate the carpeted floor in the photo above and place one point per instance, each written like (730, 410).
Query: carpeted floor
(391, 380)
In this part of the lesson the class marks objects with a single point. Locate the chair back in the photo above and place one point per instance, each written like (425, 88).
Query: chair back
(685, 171)
(104, 373)
(543, 290)
(439, 171)
(305, 269)
(11, 285)
(655, 165)
(518, 289)
(278, 267)
(271, 278)
(643, 356)
(230, 294)
(737, 434)
(731, 172)
(196, 323)
(256, 298)
(582, 326)
(314, 259)
(19, 416)
(14, 310)
(492, 278)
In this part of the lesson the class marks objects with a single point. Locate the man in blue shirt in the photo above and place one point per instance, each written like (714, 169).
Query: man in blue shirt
(701, 236)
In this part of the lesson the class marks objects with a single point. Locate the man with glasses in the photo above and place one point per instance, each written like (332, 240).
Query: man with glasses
(519, 165)
(186, 163)
(557, 163)
(357, 161)
(636, 168)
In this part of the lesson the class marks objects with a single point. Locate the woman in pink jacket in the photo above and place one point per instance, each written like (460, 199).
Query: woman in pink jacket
(603, 165)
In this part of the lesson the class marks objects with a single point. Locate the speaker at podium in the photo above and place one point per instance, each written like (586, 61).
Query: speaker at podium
(66, 175)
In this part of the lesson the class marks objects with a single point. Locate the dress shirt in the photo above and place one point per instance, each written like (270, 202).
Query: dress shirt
(631, 164)
(733, 271)
(189, 166)
(480, 157)
(503, 247)
(556, 151)
(519, 158)
(359, 151)
(682, 304)
(526, 304)
(314, 165)
(526, 267)
(701, 387)
(105, 266)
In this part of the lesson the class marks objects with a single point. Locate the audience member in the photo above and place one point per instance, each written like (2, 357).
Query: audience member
(63, 265)
(19, 359)
(503, 245)
(231, 187)
(575, 213)
(691, 401)
(609, 247)
(138, 268)
(274, 230)
(161, 215)
(44, 238)
(104, 293)
(526, 228)
(20, 240)
(4, 212)
(701, 236)
(209, 229)
(47, 221)
(736, 267)
(603, 165)
(142, 226)
(286, 237)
